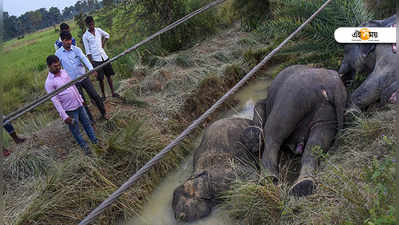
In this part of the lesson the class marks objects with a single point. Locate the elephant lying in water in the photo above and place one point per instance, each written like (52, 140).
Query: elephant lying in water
(305, 108)
(382, 84)
(229, 148)
(360, 58)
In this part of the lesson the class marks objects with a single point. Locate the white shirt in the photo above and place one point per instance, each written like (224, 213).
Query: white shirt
(93, 44)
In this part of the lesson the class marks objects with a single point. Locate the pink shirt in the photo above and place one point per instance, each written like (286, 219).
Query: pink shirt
(67, 100)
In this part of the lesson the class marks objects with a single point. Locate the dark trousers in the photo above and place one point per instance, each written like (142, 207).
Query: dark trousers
(91, 91)
(9, 128)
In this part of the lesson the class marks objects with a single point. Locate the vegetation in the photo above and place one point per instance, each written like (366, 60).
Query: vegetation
(315, 43)
(382, 9)
(252, 12)
(82, 183)
(32, 21)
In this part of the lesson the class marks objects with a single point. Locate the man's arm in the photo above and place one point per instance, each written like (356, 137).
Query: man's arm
(55, 46)
(87, 47)
(50, 88)
(84, 59)
(104, 37)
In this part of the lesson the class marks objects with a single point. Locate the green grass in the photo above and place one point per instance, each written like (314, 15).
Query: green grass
(24, 68)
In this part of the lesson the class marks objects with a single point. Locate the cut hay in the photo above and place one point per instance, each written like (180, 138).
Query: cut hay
(82, 183)
(23, 164)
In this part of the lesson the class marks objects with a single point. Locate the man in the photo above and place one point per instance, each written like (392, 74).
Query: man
(68, 103)
(71, 58)
(94, 40)
(11, 131)
(58, 43)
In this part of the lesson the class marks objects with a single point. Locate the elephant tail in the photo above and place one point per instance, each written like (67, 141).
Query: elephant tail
(260, 113)
(340, 101)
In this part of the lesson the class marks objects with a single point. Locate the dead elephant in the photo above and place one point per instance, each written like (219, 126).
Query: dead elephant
(382, 84)
(304, 107)
(360, 58)
(226, 151)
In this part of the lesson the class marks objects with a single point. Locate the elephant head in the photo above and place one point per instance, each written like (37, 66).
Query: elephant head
(192, 200)
(359, 58)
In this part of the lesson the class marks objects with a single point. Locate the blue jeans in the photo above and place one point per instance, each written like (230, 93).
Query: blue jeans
(80, 115)
(9, 128)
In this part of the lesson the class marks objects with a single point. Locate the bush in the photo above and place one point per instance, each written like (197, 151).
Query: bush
(315, 43)
(145, 17)
(382, 9)
(252, 12)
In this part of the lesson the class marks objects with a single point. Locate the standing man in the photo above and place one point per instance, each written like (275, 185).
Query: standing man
(58, 43)
(11, 131)
(94, 40)
(68, 103)
(71, 58)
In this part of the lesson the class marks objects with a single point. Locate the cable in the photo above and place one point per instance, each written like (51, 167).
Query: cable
(188, 130)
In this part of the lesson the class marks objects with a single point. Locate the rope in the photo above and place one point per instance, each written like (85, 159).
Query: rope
(14, 115)
(188, 130)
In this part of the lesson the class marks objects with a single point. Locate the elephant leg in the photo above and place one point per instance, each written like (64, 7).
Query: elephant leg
(321, 135)
(367, 93)
(270, 159)
(281, 123)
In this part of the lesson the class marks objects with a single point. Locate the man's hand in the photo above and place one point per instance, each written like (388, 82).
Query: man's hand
(90, 58)
(103, 41)
(69, 121)
(95, 73)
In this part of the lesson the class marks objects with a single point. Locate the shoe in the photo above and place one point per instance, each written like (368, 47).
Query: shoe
(105, 117)
(6, 152)
(17, 139)
(87, 151)
(93, 124)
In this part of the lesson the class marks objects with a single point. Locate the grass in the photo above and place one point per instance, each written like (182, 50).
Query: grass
(83, 183)
(24, 68)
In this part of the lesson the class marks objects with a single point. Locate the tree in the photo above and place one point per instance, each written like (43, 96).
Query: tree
(55, 15)
(10, 26)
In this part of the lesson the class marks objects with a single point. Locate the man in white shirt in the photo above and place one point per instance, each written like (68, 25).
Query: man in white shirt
(94, 40)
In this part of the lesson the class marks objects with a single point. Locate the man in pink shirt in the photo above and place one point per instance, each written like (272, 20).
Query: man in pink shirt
(68, 103)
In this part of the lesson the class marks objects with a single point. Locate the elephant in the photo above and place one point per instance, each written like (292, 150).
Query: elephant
(360, 58)
(382, 84)
(304, 109)
(228, 150)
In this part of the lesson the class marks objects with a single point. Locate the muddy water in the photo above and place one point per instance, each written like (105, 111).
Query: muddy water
(158, 210)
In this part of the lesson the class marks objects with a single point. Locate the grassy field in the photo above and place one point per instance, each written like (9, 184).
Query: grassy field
(24, 67)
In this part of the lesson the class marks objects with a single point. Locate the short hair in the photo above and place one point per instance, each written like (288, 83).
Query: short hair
(65, 35)
(89, 19)
(52, 59)
(64, 26)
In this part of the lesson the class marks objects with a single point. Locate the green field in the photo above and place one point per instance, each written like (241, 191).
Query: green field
(24, 67)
